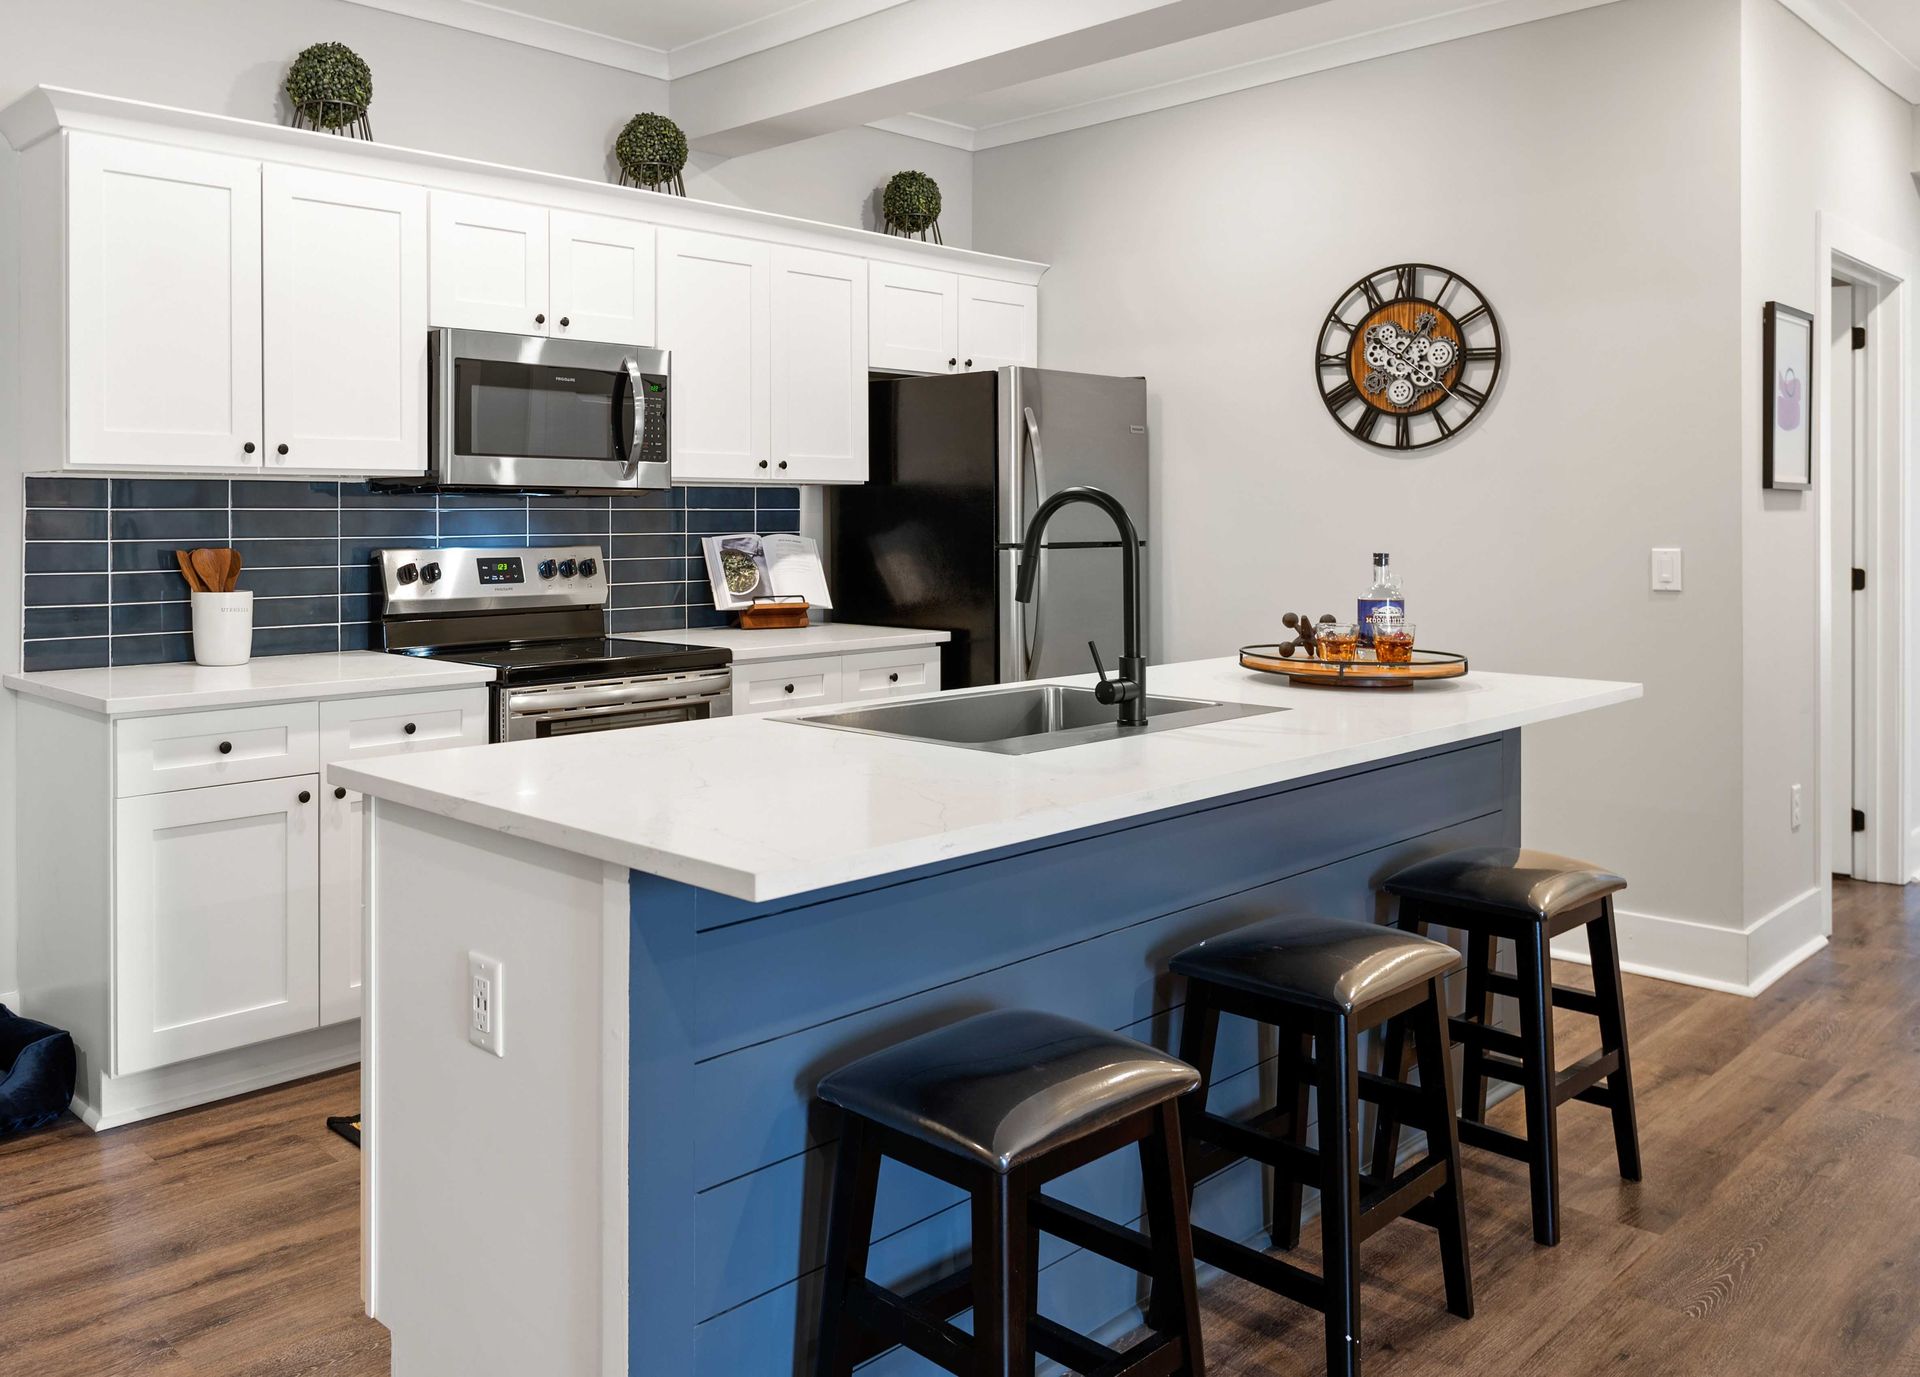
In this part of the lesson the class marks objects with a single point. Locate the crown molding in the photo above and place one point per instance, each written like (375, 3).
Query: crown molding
(475, 16)
(1841, 25)
(930, 130)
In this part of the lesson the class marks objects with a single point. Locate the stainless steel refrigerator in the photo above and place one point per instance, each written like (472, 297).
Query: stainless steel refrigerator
(959, 463)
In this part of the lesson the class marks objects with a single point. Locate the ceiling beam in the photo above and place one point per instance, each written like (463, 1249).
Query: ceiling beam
(925, 53)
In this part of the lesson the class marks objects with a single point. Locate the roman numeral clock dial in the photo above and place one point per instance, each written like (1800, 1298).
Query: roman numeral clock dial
(1408, 356)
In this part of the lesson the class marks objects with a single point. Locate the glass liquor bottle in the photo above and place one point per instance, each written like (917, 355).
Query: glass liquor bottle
(1382, 595)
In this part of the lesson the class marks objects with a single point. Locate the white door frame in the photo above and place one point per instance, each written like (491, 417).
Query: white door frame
(1885, 727)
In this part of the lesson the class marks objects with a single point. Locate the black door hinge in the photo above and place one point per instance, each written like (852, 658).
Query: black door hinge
(1859, 580)
(1859, 821)
(1859, 337)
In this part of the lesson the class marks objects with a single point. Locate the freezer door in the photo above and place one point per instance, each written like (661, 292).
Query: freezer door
(1078, 600)
(1062, 430)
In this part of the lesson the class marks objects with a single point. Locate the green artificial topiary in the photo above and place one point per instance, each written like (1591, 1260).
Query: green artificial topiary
(330, 85)
(911, 204)
(652, 151)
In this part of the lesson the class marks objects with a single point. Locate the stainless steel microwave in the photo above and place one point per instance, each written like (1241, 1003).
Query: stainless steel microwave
(547, 415)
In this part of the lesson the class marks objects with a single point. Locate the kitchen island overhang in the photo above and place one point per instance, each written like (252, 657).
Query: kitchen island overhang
(643, 1173)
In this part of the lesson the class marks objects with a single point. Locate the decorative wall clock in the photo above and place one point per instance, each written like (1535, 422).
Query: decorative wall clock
(1408, 356)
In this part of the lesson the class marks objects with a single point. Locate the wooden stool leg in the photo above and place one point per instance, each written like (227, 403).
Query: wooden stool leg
(1605, 949)
(856, 1175)
(1294, 1094)
(1174, 1306)
(1479, 1008)
(1340, 1192)
(1396, 1057)
(1003, 1287)
(1443, 1140)
(1536, 1030)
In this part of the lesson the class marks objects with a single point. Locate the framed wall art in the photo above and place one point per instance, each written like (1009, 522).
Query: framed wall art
(1787, 430)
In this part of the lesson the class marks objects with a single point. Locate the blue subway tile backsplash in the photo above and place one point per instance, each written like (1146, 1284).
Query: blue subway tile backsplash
(102, 586)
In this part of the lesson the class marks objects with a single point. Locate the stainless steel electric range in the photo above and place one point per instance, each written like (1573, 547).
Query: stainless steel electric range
(537, 616)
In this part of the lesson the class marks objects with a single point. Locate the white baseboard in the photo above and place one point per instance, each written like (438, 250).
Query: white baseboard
(1742, 961)
(148, 1094)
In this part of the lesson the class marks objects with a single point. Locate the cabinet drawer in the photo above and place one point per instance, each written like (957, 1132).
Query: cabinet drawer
(190, 750)
(890, 673)
(356, 728)
(775, 684)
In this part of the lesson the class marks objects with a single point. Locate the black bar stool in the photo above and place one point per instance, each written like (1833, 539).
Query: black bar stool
(1321, 982)
(999, 1105)
(1529, 897)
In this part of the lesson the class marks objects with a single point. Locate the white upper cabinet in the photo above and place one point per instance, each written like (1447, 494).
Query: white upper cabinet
(914, 324)
(489, 265)
(716, 316)
(346, 323)
(999, 324)
(819, 367)
(601, 279)
(163, 307)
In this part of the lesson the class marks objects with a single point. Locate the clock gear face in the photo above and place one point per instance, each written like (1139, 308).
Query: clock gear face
(1408, 356)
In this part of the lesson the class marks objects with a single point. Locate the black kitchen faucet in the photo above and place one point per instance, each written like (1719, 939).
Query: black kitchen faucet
(1129, 690)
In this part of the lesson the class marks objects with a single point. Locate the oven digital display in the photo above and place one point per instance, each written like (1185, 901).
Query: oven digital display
(501, 570)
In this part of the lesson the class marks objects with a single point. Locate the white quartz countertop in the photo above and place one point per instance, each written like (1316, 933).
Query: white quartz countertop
(822, 638)
(760, 807)
(133, 690)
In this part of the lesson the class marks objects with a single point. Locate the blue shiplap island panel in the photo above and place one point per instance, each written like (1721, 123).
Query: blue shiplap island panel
(738, 1009)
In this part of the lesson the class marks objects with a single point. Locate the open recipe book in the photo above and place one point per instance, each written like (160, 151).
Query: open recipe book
(745, 567)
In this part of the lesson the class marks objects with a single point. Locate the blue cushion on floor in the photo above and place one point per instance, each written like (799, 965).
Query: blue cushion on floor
(36, 1073)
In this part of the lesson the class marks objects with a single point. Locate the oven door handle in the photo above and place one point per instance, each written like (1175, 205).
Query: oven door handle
(626, 418)
(619, 695)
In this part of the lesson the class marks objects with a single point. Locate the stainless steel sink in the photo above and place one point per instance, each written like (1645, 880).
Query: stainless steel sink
(1020, 721)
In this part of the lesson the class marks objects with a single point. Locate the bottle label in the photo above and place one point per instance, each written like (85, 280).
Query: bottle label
(1369, 606)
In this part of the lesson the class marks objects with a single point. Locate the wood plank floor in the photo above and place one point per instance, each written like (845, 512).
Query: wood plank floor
(1778, 1229)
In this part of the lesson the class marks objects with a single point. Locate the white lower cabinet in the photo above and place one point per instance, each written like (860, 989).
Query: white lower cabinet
(890, 673)
(824, 680)
(216, 929)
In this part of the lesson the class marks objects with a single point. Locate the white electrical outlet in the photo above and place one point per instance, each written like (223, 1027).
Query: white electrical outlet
(485, 1023)
(1796, 808)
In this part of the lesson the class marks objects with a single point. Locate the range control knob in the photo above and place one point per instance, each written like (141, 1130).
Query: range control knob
(548, 568)
(566, 568)
(407, 573)
(430, 574)
(588, 568)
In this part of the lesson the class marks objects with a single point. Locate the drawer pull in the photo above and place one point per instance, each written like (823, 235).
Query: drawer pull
(305, 796)
(893, 678)
(226, 748)
(788, 689)
(339, 791)
(410, 729)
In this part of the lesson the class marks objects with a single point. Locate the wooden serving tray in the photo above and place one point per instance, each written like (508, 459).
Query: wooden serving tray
(1365, 672)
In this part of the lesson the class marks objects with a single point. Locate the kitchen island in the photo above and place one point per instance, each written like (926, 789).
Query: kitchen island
(696, 922)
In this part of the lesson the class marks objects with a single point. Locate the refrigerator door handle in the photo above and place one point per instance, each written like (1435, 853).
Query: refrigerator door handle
(1032, 614)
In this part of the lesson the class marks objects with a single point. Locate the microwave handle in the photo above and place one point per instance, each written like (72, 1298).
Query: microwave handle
(627, 418)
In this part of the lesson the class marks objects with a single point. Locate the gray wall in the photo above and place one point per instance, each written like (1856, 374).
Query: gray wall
(1583, 171)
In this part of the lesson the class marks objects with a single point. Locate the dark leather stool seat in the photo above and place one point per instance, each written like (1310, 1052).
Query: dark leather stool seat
(1507, 878)
(1496, 893)
(1326, 963)
(1004, 1088)
(998, 1105)
(1321, 982)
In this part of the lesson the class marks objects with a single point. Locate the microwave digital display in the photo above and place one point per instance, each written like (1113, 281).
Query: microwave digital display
(501, 570)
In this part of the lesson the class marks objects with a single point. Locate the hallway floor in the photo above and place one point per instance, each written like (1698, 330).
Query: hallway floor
(1778, 1228)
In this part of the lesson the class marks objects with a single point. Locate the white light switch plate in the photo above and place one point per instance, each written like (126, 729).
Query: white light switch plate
(1665, 572)
(485, 1013)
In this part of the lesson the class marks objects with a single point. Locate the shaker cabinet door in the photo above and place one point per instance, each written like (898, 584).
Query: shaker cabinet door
(716, 317)
(999, 324)
(163, 294)
(489, 265)
(819, 367)
(346, 323)
(216, 921)
(602, 279)
(914, 319)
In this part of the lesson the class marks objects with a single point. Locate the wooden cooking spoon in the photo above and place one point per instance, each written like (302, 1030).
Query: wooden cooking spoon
(232, 570)
(186, 571)
(212, 570)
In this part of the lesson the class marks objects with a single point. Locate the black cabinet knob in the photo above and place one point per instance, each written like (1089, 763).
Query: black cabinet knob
(339, 791)
(952, 362)
(410, 729)
(763, 463)
(282, 448)
(969, 363)
(564, 322)
(893, 678)
(783, 463)
(305, 796)
(788, 689)
(248, 447)
(226, 748)
(540, 319)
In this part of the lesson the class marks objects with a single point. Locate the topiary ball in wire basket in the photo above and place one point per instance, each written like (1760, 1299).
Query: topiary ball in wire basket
(651, 152)
(331, 87)
(911, 205)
